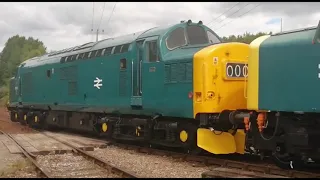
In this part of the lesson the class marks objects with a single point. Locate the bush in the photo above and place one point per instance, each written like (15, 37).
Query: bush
(4, 93)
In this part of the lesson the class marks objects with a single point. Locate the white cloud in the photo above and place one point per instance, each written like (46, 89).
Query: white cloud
(60, 24)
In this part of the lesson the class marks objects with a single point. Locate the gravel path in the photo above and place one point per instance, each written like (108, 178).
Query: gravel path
(153, 166)
(8, 126)
(70, 165)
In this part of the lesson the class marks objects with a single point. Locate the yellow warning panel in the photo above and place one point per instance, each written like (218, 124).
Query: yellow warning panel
(219, 75)
(216, 142)
(240, 140)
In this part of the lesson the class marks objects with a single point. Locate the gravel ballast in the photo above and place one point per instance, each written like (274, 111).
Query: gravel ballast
(145, 165)
(71, 165)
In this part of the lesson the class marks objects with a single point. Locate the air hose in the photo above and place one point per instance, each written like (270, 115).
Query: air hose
(275, 130)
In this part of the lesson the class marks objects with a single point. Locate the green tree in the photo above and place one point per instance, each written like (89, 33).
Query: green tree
(17, 49)
(245, 38)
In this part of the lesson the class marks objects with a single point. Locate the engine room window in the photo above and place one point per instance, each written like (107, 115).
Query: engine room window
(68, 58)
(93, 54)
(108, 51)
(102, 53)
(213, 39)
(125, 48)
(73, 57)
(176, 39)
(99, 53)
(152, 51)
(117, 49)
(86, 55)
(80, 56)
(63, 59)
(197, 35)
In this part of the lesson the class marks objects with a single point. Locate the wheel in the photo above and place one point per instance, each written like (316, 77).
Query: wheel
(286, 161)
(22, 118)
(34, 121)
(14, 117)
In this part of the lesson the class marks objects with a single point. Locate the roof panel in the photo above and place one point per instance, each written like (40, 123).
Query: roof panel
(55, 56)
(117, 41)
(157, 31)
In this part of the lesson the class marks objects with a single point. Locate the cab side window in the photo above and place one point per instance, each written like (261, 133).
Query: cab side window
(152, 51)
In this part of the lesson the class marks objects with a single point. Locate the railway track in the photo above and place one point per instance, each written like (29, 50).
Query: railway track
(41, 171)
(104, 168)
(262, 168)
(209, 161)
(224, 163)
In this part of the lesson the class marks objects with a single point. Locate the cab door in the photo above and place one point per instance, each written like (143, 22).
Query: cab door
(152, 75)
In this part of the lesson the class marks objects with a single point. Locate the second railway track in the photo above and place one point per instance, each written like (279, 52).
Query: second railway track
(79, 163)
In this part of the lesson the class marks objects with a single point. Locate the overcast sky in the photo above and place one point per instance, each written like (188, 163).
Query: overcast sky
(61, 25)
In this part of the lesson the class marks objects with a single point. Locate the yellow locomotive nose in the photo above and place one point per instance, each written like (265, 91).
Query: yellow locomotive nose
(219, 75)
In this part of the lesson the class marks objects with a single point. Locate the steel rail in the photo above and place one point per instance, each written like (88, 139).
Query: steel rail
(119, 171)
(266, 168)
(270, 169)
(29, 155)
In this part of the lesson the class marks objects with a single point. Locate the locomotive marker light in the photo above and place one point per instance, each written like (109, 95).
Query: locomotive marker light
(97, 83)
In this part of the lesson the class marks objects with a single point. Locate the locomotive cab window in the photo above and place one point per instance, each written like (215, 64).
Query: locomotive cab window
(176, 39)
(123, 64)
(152, 51)
(197, 35)
(213, 39)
